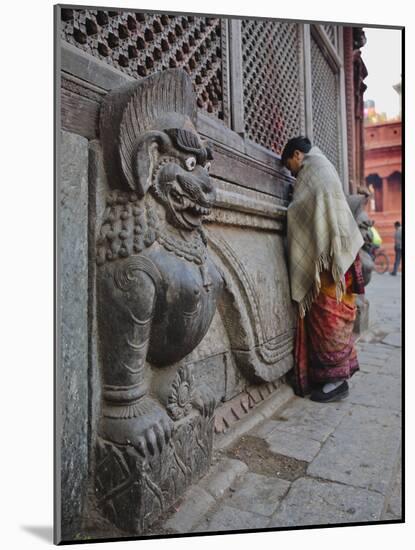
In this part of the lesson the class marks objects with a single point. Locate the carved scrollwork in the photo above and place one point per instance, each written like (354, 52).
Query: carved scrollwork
(260, 358)
(125, 274)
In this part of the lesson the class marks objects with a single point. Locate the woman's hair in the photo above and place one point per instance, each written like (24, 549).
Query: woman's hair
(300, 143)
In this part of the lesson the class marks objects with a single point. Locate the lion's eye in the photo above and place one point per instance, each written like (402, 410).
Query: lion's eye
(191, 163)
(207, 166)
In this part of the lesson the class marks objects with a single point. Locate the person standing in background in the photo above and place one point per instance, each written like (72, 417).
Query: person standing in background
(323, 241)
(398, 247)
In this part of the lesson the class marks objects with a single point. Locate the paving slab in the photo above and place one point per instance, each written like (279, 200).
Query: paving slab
(396, 356)
(366, 337)
(391, 324)
(195, 505)
(352, 382)
(377, 390)
(393, 366)
(393, 339)
(265, 429)
(292, 445)
(227, 518)
(394, 506)
(391, 517)
(306, 418)
(369, 368)
(373, 348)
(370, 359)
(258, 494)
(379, 353)
(255, 452)
(362, 451)
(387, 348)
(315, 502)
(222, 475)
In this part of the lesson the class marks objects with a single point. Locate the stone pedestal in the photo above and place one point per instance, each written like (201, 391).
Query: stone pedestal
(133, 489)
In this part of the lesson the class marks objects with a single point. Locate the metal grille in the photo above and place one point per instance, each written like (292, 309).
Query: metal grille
(331, 31)
(325, 96)
(273, 98)
(140, 44)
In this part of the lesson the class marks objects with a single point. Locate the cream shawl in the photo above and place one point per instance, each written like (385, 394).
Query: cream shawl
(321, 231)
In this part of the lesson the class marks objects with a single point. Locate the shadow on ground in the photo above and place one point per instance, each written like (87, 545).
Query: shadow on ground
(42, 532)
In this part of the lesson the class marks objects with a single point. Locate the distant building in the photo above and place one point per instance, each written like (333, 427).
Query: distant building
(398, 89)
(383, 175)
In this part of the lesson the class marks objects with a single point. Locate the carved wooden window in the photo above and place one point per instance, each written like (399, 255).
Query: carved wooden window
(272, 86)
(331, 32)
(325, 104)
(140, 44)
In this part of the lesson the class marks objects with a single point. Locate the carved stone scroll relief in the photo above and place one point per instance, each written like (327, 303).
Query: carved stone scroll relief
(255, 308)
(157, 291)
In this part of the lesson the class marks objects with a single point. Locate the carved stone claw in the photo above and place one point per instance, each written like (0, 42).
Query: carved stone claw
(141, 446)
(151, 440)
(147, 432)
(197, 402)
(159, 435)
(156, 436)
(167, 428)
(204, 401)
(159, 427)
(212, 404)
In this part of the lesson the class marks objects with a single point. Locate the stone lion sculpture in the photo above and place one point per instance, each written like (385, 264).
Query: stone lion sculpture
(357, 204)
(157, 288)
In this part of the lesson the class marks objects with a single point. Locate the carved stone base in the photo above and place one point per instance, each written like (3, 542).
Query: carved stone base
(133, 491)
(234, 410)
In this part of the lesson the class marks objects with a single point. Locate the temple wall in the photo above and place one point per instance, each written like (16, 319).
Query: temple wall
(249, 343)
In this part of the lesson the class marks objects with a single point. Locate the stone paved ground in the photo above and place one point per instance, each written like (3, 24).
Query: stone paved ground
(312, 463)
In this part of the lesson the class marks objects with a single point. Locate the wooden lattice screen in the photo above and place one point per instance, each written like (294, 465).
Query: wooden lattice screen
(325, 95)
(272, 88)
(140, 44)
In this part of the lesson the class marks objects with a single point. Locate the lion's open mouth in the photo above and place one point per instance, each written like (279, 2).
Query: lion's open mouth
(186, 207)
(193, 215)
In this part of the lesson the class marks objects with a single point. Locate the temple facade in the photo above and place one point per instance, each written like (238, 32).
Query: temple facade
(174, 287)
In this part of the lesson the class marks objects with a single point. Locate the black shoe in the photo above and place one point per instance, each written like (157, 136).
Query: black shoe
(338, 393)
(392, 273)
